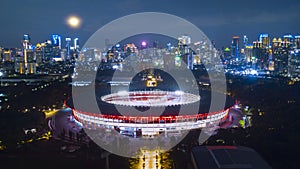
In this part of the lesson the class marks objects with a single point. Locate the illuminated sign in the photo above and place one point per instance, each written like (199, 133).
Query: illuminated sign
(55, 39)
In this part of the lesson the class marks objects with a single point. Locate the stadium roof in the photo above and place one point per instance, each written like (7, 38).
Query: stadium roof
(229, 157)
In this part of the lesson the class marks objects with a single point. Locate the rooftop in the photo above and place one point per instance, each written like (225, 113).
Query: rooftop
(229, 157)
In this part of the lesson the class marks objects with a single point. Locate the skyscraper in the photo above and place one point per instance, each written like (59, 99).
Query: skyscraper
(68, 47)
(280, 57)
(294, 63)
(39, 54)
(246, 41)
(76, 44)
(19, 64)
(184, 40)
(185, 51)
(7, 55)
(26, 43)
(287, 41)
(261, 52)
(265, 40)
(297, 42)
(47, 53)
(235, 47)
(31, 62)
(56, 40)
(1, 54)
(249, 55)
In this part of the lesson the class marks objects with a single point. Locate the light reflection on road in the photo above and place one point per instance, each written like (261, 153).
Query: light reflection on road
(151, 159)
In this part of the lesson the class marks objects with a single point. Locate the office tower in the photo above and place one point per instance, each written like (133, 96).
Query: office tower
(287, 41)
(250, 60)
(13, 52)
(185, 51)
(265, 61)
(68, 47)
(38, 54)
(20, 64)
(280, 57)
(169, 60)
(56, 41)
(227, 55)
(31, 65)
(257, 53)
(183, 44)
(184, 40)
(265, 40)
(110, 56)
(48, 50)
(1, 54)
(235, 47)
(130, 49)
(294, 63)
(297, 42)
(246, 41)
(6, 55)
(261, 52)
(76, 44)
(26, 43)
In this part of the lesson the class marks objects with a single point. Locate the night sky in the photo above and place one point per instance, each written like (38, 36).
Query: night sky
(218, 19)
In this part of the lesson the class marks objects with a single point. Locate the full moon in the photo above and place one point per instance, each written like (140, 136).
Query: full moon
(74, 21)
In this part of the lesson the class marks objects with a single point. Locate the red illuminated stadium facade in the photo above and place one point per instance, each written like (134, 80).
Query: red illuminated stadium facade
(149, 126)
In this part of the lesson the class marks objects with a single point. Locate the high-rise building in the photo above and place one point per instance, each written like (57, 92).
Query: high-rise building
(39, 54)
(226, 54)
(287, 41)
(262, 52)
(76, 44)
(235, 47)
(184, 40)
(280, 57)
(68, 47)
(56, 41)
(265, 40)
(20, 64)
(1, 54)
(6, 55)
(26, 47)
(249, 55)
(297, 42)
(13, 52)
(246, 41)
(48, 51)
(185, 50)
(31, 62)
(294, 63)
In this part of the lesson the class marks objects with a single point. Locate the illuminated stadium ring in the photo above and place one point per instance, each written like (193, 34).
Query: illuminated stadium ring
(149, 126)
(150, 98)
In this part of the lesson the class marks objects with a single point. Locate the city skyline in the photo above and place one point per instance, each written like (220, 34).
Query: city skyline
(162, 40)
(149, 84)
(269, 55)
(213, 18)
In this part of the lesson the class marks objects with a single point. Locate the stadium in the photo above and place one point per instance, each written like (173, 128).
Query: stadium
(145, 124)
